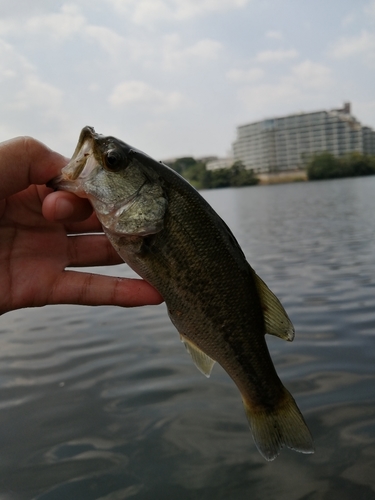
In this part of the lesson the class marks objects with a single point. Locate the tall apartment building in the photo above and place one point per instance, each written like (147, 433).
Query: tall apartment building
(285, 143)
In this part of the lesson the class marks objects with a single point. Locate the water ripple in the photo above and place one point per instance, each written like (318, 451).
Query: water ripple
(105, 404)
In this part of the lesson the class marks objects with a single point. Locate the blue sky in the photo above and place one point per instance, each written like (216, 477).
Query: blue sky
(176, 77)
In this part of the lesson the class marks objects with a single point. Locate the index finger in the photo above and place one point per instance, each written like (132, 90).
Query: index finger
(25, 161)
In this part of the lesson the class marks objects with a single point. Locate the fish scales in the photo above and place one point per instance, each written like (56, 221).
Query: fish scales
(172, 237)
(187, 268)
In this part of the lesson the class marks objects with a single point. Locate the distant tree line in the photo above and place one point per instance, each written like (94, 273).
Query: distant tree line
(319, 166)
(196, 173)
(327, 166)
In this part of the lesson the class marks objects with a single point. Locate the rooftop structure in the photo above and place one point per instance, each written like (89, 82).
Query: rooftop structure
(285, 143)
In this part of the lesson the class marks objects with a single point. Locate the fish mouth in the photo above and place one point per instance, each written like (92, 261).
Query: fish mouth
(80, 166)
(86, 157)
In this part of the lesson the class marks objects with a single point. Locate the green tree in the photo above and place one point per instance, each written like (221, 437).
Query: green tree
(240, 176)
(197, 174)
(326, 166)
(221, 177)
(182, 164)
(356, 164)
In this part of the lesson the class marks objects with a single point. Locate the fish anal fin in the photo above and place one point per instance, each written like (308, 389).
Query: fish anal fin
(203, 362)
(282, 426)
(276, 319)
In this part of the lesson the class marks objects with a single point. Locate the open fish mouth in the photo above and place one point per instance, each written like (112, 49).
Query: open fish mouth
(80, 166)
(88, 175)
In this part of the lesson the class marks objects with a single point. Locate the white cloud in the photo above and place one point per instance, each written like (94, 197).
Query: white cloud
(348, 20)
(34, 93)
(145, 11)
(7, 26)
(63, 25)
(168, 51)
(28, 101)
(67, 63)
(261, 99)
(311, 75)
(149, 11)
(175, 56)
(12, 64)
(135, 92)
(59, 25)
(108, 40)
(245, 75)
(305, 82)
(363, 44)
(369, 10)
(275, 34)
(204, 49)
(276, 55)
(186, 9)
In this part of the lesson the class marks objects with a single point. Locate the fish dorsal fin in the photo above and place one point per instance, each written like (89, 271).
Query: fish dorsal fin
(203, 362)
(275, 318)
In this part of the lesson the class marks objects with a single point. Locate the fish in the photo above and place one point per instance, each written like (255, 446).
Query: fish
(169, 234)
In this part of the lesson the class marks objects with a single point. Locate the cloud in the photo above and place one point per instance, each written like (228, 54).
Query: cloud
(363, 44)
(28, 101)
(369, 10)
(21, 7)
(12, 64)
(311, 75)
(135, 92)
(59, 25)
(204, 49)
(34, 93)
(175, 56)
(275, 55)
(304, 82)
(150, 11)
(123, 64)
(108, 40)
(348, 20)
(275, 34)
(245, 76)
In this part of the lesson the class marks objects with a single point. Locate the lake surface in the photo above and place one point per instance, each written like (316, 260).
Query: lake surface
(105, 404)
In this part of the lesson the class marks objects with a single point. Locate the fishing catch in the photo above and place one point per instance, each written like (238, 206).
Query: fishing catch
(167, 233)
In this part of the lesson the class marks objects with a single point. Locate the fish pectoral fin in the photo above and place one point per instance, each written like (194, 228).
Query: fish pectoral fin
(203, 362)
(276, 319)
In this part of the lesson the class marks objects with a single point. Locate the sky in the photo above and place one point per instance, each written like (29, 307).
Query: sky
(176, 77)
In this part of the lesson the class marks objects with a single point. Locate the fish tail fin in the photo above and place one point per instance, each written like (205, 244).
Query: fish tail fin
(282, 426)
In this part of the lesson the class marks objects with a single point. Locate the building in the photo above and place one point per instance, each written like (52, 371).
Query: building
(216, 163)
(286, 143)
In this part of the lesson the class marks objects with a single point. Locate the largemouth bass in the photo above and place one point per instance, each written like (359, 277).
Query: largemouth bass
(164, 230)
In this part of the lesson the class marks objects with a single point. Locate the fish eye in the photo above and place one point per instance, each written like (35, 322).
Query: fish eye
(114, 160)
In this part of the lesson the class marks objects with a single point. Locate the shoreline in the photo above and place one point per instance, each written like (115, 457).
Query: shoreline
(297, 175)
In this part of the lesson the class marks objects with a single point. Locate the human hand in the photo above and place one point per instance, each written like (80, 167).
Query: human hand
(42, 233)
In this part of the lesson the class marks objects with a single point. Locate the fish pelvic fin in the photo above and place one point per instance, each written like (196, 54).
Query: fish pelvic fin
(203, 362)
(276, 320)
(283, 426)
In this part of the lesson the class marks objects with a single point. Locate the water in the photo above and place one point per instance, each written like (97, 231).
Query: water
(104, 403)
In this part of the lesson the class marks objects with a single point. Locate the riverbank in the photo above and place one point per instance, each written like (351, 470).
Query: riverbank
(282, 177)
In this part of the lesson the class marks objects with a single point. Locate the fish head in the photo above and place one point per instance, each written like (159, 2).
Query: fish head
(125, 192)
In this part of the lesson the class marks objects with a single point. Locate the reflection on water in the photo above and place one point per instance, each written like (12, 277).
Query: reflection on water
(104, 403)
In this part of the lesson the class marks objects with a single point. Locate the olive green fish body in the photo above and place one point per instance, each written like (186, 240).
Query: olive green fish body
(171, 237)
(208, 287)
